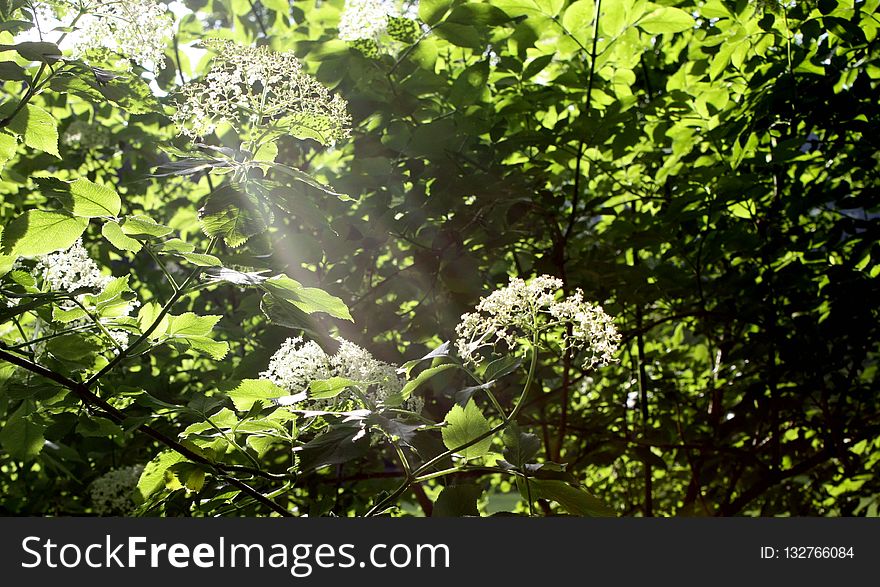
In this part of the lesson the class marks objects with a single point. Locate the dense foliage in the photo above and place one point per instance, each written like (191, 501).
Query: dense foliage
(227, 223)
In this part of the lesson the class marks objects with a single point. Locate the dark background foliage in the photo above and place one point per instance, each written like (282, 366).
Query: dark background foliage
(712, 185)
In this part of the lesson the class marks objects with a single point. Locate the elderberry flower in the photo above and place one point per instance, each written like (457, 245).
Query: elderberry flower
(257, 88)
(135, 30)
(113, 493)
(71, 270)
(365, 19)
(296, 364)
(531, 310)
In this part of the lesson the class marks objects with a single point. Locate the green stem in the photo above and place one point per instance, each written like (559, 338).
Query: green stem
(146, 334)
(416, 475)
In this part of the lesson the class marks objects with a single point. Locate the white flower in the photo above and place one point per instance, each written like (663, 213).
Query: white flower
(71, 270)
(255, 87)
(296, 364)
(357, 364)
(113, 492)
(136, 30)
(365, 19)
(526, 310)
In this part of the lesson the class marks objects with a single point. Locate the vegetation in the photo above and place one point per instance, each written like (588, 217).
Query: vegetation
(542, 257)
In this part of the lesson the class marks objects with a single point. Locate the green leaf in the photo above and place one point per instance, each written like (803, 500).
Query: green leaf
(35, 51)
(440, 351)
(89, 199)
(666, 19)
(456, 501)
(520, 447)
(470, 84)
(306, 299)
(267, 153)
(432, 11)
(114, 300)
(422, 377)
(144, 227)
(82, 197)
(305, 178)
(190, 324)
(338, 445)
(576, 501)
(193, 330)
(201, 260)
(578, 20)
(251, 391)
(329, 388)
(464, 425)
(38, 127)
(234, 215)
(213, 348)
(21, 437)
(37, 232)
(8, 147)
(477, 13)
(153, 476)
(113, 233)
(501, 367)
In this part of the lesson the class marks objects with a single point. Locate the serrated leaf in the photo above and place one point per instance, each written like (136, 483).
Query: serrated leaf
(144, 227)
(501, 367)
(35, 51)
(477, 13)
(464, 425)
(666, 19)
(234, 215)
(37, 232)
(113, 233)
(576, 501)
(462, 396)
(89, 199)
(456, 501)
(38, 128)
(578, 20)
(338, 445)
(251, 391)
(422, 377)
(303, 177)
(432, 11)
(201, 259)
(153, 476)
(520, 447)
(440, 351)
(191, 324)
(8, 147)
(21, 437)
(329, 388)
(306, 299)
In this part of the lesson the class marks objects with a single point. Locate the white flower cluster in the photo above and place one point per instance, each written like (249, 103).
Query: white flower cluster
(524, 310)
(261, 88)
(113, 493)
(366, 19)
(137, 30)
(85, 135)
(296, 364)
(71, 270)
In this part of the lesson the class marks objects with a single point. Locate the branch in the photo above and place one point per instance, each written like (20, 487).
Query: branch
(92, 400)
